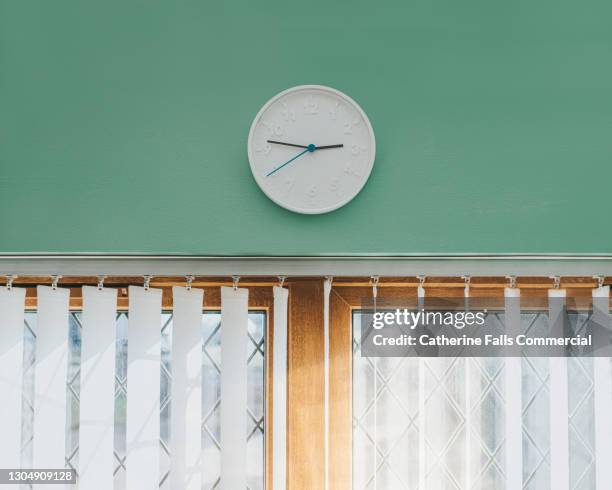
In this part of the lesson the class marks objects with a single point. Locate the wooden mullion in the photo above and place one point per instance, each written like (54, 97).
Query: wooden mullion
(340, 376)
(305, 387)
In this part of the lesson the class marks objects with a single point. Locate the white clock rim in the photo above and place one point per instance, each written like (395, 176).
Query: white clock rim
(257, 178)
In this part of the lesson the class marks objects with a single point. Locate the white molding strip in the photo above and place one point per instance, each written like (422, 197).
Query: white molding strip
(50, 379)
(602, 374)
(143, 418)
(514, 399)
(234, 327)
(559, 417)
(279, 395)
(97, 396)
(383, 266)
(186, 413)
(12, 303)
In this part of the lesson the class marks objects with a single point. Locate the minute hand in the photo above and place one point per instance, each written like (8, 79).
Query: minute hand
(326, 147)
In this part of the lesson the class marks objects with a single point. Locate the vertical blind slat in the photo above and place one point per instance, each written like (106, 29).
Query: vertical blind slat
(602, 374)
(559, 418)
(422, 412)
(234, 328)
(97, 400)
(279, 395)
(467, 475)
(514, 425)
(50, 379)
(326, 292)
(12, 303)
(143, 384)
(186, 410)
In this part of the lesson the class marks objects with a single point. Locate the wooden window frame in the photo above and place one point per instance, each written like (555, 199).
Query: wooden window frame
(347, 296)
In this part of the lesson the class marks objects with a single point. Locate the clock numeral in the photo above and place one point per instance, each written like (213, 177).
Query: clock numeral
(311, 107)
(334, 185)
(333, 112)
(288, 114)
(273, 129)
(266, 148)
(289, 184)
(349, 169)
(313, 191)
(356, 150)
(348, 126)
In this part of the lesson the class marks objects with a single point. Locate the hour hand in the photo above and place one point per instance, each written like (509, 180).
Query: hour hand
(287, 144)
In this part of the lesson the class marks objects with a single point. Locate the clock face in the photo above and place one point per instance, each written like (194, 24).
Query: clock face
(311, 149)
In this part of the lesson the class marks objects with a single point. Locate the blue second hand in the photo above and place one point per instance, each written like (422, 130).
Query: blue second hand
(310, 149)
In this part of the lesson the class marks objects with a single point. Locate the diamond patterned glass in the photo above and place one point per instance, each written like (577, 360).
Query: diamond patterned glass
(459, 443)
(211, 396)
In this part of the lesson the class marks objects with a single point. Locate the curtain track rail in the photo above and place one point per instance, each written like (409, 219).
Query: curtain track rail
(499, 282)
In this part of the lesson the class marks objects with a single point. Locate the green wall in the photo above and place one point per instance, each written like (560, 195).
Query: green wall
(123, 124)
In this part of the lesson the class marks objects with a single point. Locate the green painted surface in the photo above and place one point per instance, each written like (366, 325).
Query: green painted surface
(123, 124)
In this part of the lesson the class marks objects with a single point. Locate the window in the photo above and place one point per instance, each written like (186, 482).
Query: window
(441, 421)
(211, 366)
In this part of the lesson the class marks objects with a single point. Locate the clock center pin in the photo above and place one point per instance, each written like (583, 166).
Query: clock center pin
(311, 147)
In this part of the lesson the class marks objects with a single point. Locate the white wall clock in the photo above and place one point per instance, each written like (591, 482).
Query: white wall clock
(311, 149)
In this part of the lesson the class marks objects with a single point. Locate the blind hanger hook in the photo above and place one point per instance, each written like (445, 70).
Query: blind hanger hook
(235, 281)
(147, 282)
(9, 281)
(189, 282)
(281, 281)
(512, 280)
(101, 282)
(54, 281)
(556, 281)
(374, 280)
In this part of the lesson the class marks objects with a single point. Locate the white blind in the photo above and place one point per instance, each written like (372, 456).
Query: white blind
(279, 396)
(234, 327)
(602, 378)
(514, 399)
(12, 302)
(326, 292)
(144, 344)
(559, 417)
(97, 407)
(50, 380)
(186, 409)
